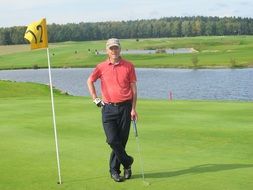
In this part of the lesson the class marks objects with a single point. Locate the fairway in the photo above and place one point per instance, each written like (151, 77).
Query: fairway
(191, 145)
(211, 52)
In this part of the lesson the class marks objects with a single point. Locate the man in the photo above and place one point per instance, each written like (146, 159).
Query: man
(119, 96)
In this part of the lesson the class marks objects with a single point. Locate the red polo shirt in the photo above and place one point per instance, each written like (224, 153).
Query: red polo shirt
(115, 80)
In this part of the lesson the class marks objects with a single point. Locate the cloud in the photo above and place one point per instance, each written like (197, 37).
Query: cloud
(22, 12)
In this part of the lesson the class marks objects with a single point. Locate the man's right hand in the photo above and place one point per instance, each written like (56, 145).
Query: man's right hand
(98, 102)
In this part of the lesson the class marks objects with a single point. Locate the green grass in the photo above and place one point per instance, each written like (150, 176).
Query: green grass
(193, 145)
(214, 51)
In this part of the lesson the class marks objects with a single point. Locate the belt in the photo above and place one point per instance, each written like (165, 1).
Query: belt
(119, 103)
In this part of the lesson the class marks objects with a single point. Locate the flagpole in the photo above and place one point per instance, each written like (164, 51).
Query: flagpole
(54, 122)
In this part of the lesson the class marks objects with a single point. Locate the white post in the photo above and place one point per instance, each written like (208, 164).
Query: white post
(54, 122)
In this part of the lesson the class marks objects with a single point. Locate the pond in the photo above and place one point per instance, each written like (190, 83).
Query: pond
(201, 84)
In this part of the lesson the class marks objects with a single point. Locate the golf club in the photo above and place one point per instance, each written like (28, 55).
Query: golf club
(139, 151)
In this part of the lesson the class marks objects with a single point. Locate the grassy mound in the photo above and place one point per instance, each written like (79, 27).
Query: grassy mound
(18, 89)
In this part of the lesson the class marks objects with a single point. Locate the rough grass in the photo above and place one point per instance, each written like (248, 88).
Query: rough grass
(184, 144)
(212, 52)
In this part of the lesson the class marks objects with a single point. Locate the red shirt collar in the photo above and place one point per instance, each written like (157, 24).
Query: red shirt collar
(110, 63)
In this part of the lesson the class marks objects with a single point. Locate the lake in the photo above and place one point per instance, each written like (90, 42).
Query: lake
(200, 84)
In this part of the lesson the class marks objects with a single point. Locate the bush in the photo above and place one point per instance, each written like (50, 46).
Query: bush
(160, 51)
(195, 60)
(233, 62)
(35, 66)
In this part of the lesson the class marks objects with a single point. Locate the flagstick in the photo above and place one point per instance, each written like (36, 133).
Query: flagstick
(55, 131)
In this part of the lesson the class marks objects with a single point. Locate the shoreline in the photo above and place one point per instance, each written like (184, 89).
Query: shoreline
(76, 67)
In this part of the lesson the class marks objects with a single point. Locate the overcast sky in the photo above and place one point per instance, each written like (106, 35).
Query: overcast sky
(23, 12)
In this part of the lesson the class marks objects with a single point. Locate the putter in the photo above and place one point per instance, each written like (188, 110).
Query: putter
(135, 129)
(139, 151)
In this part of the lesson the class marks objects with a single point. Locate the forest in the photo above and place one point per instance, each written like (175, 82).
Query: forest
(135, 29)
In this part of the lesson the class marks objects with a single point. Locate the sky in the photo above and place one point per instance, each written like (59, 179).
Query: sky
(23, 12)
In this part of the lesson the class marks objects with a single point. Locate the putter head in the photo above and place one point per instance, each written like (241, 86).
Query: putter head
(135, 128)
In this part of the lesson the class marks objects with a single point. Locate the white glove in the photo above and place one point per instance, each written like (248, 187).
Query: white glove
(98, 102)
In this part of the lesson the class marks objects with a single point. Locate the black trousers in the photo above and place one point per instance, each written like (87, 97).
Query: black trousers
(116, 122)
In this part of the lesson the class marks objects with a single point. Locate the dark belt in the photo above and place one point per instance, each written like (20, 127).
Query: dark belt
(120, 103)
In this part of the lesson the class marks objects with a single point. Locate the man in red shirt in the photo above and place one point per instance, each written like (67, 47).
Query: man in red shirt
(119, 96)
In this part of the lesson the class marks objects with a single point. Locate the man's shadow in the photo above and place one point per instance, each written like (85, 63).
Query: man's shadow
(206, 168)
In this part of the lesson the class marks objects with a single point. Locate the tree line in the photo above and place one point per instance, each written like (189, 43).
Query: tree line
(149, 28)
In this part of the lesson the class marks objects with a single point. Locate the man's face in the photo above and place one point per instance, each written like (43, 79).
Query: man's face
(113, 52)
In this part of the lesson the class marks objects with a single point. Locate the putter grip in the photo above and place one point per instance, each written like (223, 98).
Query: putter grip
(135, 128)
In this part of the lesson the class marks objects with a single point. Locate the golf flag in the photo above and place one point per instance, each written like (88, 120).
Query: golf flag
(36, 34)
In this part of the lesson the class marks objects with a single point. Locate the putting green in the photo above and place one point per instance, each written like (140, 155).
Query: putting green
(194, 145)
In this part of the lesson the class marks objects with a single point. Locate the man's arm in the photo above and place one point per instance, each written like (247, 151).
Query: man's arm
(93, 93)
(92, 89)
(134, 114)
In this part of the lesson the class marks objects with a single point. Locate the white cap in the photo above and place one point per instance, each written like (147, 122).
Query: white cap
(112, 42)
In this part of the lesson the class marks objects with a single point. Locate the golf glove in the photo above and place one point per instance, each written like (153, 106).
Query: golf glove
(98, 102)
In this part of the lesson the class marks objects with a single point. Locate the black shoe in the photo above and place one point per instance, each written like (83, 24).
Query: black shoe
(128, 171)
(116, 177)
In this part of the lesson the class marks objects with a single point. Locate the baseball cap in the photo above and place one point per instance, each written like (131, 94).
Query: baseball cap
(112, 42)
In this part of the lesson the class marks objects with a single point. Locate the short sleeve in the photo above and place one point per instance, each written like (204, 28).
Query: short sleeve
(96, 73)
(133, 77)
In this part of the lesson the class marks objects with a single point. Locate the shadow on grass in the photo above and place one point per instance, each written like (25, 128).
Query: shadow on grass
(206, 168)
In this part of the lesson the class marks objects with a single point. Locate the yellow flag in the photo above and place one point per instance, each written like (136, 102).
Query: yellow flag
(36, 34)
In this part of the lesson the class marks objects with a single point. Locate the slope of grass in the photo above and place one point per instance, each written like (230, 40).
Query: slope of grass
(18, 89)
(184, 144)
